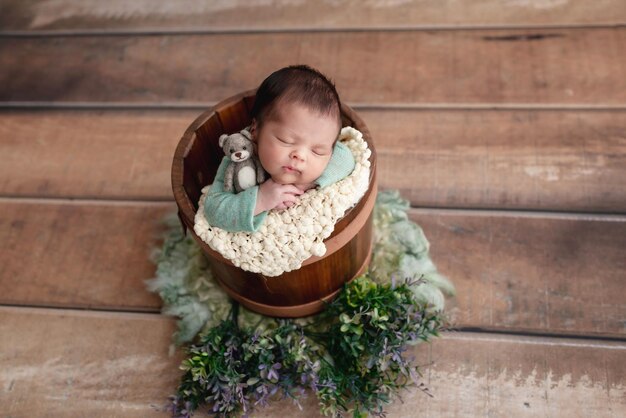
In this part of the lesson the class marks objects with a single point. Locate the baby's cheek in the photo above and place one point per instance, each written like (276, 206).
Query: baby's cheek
(319, 170)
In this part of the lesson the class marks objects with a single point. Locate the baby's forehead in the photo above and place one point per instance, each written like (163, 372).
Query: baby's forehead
(281, 104)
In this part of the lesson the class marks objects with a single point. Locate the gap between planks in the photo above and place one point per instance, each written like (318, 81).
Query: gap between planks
(81, 105)
(561, 340)
(515, 213)
(520, 333)
(91, 312)
(304, 29)
(550, 73)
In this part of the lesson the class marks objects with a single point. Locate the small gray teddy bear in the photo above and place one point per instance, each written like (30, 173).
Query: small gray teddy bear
(245, 169)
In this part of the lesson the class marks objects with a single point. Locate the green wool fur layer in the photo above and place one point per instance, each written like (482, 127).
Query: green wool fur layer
(189, 292)
(401, 250)
(350, 355)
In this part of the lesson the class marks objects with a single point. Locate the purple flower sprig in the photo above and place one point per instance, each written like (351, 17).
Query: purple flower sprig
(353, 356)
(233, 370)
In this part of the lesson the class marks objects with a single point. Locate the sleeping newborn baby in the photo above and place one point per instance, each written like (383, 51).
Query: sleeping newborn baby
(296, 122)
(273, 227)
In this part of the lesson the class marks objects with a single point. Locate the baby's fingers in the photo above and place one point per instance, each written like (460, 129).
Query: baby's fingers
(289, 198)
(285, 205)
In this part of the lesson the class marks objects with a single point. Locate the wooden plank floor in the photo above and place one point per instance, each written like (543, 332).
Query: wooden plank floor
(559, 67)
(550, 160)
(504, 124)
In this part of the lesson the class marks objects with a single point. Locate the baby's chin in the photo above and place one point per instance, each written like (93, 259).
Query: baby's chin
(285, 179)
(295, 180)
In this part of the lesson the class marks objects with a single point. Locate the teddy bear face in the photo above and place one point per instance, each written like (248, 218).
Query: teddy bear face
(237, 147)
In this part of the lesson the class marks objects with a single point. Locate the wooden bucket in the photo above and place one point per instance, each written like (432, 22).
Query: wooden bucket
(297, 293)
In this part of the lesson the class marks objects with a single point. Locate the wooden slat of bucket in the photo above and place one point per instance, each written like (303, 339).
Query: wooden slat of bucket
(233, 113)
(212, 151)
(547, 160)
(119, 367)
(511, 273)
(546, 66)
(196, 154)
(260, 14)
(228, 116)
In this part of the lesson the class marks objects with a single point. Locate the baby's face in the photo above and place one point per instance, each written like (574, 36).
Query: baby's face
(295, 144)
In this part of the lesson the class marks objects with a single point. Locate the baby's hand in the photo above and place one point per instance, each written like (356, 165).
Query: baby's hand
(276, 196)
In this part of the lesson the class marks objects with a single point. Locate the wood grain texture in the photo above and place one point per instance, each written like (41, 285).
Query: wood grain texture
(531, 273)
(545, 160)
(100, 154)
(79, 255)
(564, 66)
(85, 364)
(490, 376)
(469, 375)
(289, 14)
(514, 273)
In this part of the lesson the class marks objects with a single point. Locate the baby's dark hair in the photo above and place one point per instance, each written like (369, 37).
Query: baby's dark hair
(296, 84)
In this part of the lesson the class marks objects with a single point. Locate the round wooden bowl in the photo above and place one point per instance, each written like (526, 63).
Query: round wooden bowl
(296, 293)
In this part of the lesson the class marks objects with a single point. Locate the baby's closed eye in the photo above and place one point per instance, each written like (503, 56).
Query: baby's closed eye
(321, 151)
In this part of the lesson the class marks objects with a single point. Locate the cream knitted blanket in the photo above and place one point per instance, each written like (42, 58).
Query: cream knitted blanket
(288, 237)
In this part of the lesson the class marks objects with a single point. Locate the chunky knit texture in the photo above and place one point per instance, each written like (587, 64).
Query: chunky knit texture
(234, 212)
(288, 237)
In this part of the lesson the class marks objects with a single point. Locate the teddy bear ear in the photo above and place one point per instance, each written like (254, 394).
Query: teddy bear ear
(222, 139)
(247, 134)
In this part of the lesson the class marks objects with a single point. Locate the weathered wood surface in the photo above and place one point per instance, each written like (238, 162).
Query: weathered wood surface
(546, 160)
(418, 90)
(79, 254)
(99, 154)
(523, 159)
(329, 14)
(519, 272)
(66, 363)
(486, 375)
(74, 365)
(547, 66)
(512, 272)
